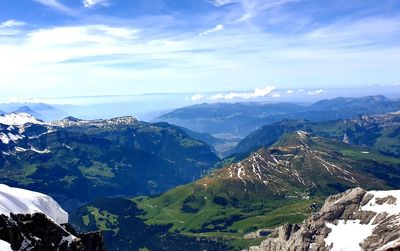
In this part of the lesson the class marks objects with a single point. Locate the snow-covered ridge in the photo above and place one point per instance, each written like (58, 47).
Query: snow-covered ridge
(21, 201)
(19, 119)
(100, 123)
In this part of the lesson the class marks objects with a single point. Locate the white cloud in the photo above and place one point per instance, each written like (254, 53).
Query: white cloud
(253, 8)
(220, 3)
(70, 35)
(197, 97)
(258, 92)
(243, 18)
(11, 24)
(217, 28)
(55, 4)
(290, 91)
(92, 3)
(276, 95)
(316, 92)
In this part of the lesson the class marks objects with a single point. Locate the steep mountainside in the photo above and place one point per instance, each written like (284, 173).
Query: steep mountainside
(34, 221)
(98, 158)
(354, 220)
(273, 186)
(379, 131)
(240, 119)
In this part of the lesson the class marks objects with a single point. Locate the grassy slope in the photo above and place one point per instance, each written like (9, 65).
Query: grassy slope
(223, 221)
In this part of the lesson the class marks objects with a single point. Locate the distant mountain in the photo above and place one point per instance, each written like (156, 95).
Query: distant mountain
(226, 118)
(379, 131)
(375, 104)
(98, 157)
(39, 110)
(34, 221)
(372, 215)
(219, 145)
(280, 184)
(240, 119)
(28, 110)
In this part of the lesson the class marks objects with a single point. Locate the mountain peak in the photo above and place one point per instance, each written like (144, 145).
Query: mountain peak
(294, 139)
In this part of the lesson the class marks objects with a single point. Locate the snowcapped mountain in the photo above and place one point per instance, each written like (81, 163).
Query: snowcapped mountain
(16, 130)
(19, 119)
(21, 201)
(353, 220)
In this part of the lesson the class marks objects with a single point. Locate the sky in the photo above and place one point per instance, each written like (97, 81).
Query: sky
(214, 49)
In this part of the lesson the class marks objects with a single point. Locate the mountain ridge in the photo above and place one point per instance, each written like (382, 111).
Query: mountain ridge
(240, 119)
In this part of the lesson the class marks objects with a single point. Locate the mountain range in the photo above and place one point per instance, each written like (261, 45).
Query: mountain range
(157, 186)
(280, 184)
(41, 111)
(120, 156)
(378, 131)
(237, 120)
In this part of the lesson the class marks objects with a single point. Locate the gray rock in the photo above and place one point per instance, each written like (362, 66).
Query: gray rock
(312, 233)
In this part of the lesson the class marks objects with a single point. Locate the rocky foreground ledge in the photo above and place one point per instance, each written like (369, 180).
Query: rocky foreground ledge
(353, 220)
(38, 232)
(34, 221)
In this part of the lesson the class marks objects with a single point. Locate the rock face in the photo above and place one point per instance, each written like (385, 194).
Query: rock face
(38, 232)
(353, 220)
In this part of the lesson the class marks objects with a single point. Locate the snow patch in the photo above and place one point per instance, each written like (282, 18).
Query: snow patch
(20, 149)
(5, 246)
(340, 235)
(391, 209)
(14, 137)
(4, 138)
(40, 151)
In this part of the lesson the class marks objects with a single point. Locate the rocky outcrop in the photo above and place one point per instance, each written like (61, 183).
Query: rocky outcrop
(353, 220)
(38, 232)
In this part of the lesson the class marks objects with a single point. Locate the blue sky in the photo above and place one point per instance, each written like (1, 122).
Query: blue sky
(235, 48)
